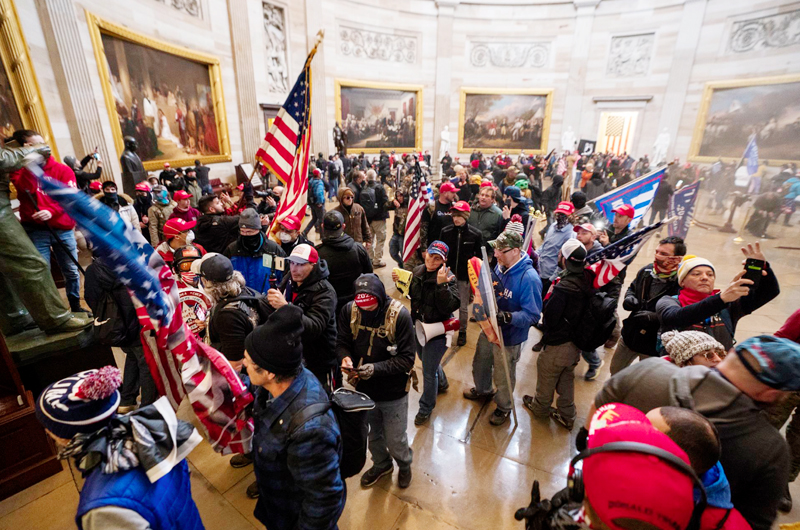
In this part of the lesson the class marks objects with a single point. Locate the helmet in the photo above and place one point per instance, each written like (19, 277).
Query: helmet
(183, 257)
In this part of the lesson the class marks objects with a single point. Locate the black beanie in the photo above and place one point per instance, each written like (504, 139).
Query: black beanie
(276, 345)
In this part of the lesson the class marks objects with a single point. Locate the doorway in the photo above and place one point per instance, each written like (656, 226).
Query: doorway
(616, 131)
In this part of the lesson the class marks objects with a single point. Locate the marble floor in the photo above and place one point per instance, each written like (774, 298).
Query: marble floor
(467, 474)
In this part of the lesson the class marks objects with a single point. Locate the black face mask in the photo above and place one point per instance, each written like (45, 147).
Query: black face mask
(111, 197)
(252, 243)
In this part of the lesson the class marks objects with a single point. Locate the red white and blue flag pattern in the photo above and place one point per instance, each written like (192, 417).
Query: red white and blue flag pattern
(610, 261)
(419, 197)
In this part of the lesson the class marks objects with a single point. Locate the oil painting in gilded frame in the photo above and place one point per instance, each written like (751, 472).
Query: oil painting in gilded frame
(379, 116)
(732, 111)
(167, 97)
(513, 120)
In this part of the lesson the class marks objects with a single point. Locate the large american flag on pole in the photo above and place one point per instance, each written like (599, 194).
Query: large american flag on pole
(287, 146)
(419, 196)
(181, 366)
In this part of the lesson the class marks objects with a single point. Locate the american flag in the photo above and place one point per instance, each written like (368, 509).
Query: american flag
(618, 132)
(287, 145)
(610, 261)
(638, 193)
(419, 196)
(181, 366)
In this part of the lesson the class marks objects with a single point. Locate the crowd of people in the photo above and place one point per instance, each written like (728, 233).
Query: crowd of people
(676, 437)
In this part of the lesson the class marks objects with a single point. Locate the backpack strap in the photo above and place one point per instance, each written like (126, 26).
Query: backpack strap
(306, 414)
(386, 330)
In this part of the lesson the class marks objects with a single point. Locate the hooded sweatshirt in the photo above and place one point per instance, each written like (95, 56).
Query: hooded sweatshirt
(28, 187)
(719, 507)
(392, 361)
(755, 456)
(347, 260)
(520, 293)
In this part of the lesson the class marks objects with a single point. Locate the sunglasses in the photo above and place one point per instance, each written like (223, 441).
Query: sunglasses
(709, 355)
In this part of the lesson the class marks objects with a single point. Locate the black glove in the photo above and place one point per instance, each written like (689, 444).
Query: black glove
(503, 318)
(581, 439)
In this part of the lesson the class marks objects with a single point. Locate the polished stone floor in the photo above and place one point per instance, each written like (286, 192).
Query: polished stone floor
(467, 474)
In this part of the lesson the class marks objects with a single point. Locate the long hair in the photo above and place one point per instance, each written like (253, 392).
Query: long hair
(227, 289)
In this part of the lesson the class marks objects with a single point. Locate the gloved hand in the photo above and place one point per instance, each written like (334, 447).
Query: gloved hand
(503, 318)
(365, 371)
(581, 439)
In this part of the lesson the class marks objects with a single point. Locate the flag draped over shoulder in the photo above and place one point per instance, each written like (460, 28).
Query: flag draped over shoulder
(418, 199)
(638, 193)
(287, 146)
(180, 364)
(681, 208)
(610, 261)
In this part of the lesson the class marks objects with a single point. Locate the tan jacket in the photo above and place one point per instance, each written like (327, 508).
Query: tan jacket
(356, 224)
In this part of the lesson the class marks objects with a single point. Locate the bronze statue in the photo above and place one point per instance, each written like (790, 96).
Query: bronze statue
(132, 168)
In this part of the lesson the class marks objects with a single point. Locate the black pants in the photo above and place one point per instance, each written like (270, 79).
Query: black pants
(317, 213)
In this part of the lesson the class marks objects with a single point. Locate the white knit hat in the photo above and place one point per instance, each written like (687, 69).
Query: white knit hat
(683, 345)
(691, 262)
(515, 225)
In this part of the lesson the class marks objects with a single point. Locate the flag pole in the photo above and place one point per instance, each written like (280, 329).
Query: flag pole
(492, 314)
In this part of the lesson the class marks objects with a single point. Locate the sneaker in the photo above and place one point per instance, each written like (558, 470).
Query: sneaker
(539, 346)
(561, 420)
(443, 388)
(378, 264)
(527, 402)
(785, 504)
(592, 373)
(252, 490)
(240, 460)
(373, 474)
(404, 478)
(462, 338)
(421, 418)
(474, 395)
(499, 417)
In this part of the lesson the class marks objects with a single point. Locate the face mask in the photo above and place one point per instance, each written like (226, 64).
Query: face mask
(190, 278)
(163, 198)
(111, 196)
(284, 237)
(189, 237)
(561, 220)
(251, 242)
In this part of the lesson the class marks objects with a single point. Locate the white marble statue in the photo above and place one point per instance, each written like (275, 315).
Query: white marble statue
(568, 140)
(660, 148)
(444, 145)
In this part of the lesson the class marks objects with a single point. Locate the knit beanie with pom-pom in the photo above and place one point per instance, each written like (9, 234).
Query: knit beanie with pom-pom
(683, 345)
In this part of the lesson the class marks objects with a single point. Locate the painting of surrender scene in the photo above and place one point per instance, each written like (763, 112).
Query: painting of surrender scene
(498, 120)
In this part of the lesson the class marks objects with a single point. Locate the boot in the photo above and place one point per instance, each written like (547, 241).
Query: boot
(75, 323)
(462, 338)
(75, 304)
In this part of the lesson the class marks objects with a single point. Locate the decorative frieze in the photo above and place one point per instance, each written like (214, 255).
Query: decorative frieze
(190, 7)
(381, 46)
(509, 54)
(630, 55)
(277, 59)
(774, 31)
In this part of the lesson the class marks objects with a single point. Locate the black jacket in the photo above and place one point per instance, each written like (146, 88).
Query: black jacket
(380, 201)
(637, 298)
(432, 223)
(317, 299)
(391, 367)
(564, 307)
(231, 323)
(464, 242)
(83, 178)
(100, 280)
(216, 231)
(432, 302)
(706, 315)
(289, 247)
(202, 175)
(552, 195)
(347, 260)
(522, 210)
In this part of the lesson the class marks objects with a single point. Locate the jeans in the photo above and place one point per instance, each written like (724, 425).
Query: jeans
(317, 213)
(433, 376)
(463, 311)
(487, 365)
(333, 187)
(556, 373)
(43, 240)
(387, 433)
(592, 358)
(137, 375)
(623, 357)
(396, 249)
(377, 230)
(207, 189)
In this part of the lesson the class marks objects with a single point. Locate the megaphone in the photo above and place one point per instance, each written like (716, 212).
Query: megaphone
(426, 332)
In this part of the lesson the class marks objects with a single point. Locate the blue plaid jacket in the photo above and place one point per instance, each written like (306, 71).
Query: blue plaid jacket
(298, 477)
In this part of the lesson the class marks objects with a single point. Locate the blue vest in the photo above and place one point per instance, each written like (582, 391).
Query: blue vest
(166, 505)
(256, 275)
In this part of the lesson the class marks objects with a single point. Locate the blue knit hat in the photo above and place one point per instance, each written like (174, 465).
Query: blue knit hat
(772, 360)
(82, 403)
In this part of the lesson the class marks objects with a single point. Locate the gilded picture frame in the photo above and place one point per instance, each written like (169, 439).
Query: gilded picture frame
(731, 111)
(21, 78)
(383, 126)
(180, 154)
(531, 136)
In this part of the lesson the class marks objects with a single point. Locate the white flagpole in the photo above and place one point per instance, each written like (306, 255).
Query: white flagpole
(491, 305)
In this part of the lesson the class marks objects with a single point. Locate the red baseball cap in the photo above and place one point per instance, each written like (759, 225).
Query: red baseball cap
(626, 210)
(461, 206)
(487, 184)
(166, 164)
(304, 253)
(95, 185)
(628, 485)
(475, 163)
(291, 223)
(589, 227)
(143, 186)
(317, 171)
(175, 226)
(447, 186)
(565, 207)
(181, 195)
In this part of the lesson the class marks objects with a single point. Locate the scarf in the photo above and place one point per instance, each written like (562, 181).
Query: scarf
(561, 221)
(690, 296)
(663, 274)
(141, 438)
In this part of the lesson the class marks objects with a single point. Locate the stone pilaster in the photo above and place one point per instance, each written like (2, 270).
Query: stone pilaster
(579, 60)
(320, 128)
(442, 90)
(681, 70)
(62, 33)
(245, 78)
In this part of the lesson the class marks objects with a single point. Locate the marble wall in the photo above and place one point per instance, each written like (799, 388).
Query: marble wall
(649, 56)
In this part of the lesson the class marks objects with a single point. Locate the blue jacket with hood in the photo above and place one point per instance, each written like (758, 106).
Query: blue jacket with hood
(519, 292)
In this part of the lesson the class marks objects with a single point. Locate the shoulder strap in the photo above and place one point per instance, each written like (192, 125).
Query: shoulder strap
(306, 414)
(725, 316)
(355, 320)
(646, 284)
(390, 323)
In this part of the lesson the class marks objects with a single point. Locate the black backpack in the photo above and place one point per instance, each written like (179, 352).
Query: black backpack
(350, 408)
(110, 327)
(596, 323)
(369, 201)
